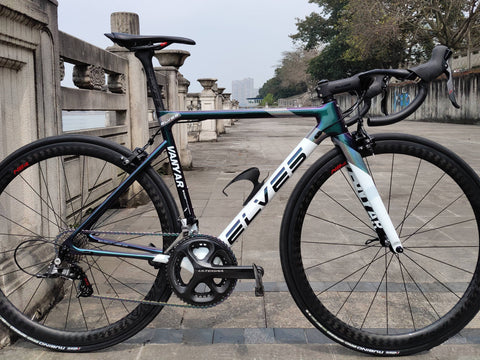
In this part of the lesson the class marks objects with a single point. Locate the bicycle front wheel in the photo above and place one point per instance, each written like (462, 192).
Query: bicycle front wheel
(46, 190)
(354, 289)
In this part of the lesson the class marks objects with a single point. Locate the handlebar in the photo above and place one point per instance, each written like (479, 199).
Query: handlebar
(374, 82)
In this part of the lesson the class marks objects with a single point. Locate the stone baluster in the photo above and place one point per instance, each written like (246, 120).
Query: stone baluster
(193, 104)
(208, 130)
(219, 106)
(227, 105)
(171, 61)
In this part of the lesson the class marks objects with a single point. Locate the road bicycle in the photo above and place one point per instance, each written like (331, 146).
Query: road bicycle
(378, 243)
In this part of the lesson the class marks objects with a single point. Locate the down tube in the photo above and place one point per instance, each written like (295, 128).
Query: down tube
(270, 188)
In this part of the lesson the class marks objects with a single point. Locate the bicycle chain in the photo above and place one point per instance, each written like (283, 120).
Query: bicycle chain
(146, 302)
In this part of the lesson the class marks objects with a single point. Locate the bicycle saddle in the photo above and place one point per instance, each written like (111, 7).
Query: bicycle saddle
(145, 42)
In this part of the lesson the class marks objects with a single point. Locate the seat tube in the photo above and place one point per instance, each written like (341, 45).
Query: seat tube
(367, 193)
(178, 176)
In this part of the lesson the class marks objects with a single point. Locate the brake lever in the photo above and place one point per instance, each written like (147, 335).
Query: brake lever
(383, 103)
(450, 88)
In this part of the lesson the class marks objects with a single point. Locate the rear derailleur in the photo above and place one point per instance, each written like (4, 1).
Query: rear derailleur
(70, 271)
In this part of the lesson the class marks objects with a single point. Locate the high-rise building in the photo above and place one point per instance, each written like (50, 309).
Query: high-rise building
(242, 90)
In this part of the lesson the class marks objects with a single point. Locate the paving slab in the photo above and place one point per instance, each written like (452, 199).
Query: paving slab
(247, 327)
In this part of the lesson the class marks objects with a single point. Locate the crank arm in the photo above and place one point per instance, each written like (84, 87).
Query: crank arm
(229, 272)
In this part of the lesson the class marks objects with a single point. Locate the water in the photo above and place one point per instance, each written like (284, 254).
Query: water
(79, 120)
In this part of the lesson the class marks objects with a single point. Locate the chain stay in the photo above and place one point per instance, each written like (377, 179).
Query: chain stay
(146, 302)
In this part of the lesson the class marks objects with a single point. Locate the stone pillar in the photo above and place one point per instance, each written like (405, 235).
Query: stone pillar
(125, 22)
(194, 128)
(29, 73)
(183, 85)
(29, 109)
(219, 106)
(171, 61)
(227, 105)
(208, 130)
(137, 113)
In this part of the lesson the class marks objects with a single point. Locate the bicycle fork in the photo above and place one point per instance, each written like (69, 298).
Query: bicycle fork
(367, 193)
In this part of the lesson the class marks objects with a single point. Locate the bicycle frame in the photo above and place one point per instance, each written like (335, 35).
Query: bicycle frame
(329, 123)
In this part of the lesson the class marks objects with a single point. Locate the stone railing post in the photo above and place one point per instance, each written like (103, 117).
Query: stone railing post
(208, 130)
(171, 61)
(219, 106)
(137, 113)
(227, 105)
(29, 109)
(194, 128)
(30, 68)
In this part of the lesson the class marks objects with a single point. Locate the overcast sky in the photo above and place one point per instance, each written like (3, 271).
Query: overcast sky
(235, 39)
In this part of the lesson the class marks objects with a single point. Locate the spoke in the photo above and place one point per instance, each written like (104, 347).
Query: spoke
(58, 218)
(20, 225)
(109, 284)
(110, 276)
(68, 306)
(340, 257)
(33, 295)
(82, 186)
(336, 243)
(338, 224)
(421, 200)
(128, 262)
(29, 207)
(434, 277)
(94, 185)
(83, 313)
(409, 198)
(375, 259)
(345, 208)
(434, 217)
(42, 199)
(378, 289)
(358, 282)
(26, 267)
(98, 292)
(104, 224)
(420, 289)
(391, 182)
(441, 261)
(406, 292)
(438, 228)
(69, 194)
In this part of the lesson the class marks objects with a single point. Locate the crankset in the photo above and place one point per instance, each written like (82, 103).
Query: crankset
(203, 271)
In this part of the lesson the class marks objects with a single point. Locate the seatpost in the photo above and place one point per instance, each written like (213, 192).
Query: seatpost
(145, 56)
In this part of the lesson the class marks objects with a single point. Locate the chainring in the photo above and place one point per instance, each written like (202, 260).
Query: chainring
(189, 261)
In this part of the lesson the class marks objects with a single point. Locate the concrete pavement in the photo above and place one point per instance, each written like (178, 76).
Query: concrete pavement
(245, 326)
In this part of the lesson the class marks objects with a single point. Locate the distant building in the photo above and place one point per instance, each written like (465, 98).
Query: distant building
(242, 90)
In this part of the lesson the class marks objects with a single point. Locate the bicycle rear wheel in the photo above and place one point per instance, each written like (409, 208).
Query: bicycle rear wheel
(357, 291)
(46, 189)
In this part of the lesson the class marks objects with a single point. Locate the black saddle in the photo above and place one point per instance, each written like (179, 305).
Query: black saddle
(146, 42)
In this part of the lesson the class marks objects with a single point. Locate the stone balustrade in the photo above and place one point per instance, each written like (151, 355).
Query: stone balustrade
(33, 54)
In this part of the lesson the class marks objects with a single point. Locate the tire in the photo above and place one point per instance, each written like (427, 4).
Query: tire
(357, 291)
(47, 188)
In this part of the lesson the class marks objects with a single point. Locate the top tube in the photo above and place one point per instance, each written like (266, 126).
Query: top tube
(326, 111)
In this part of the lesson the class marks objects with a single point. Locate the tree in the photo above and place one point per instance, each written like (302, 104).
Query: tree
(291, 77)
(357, 35)
(324, 31)
(408, 32)
(268, 100)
